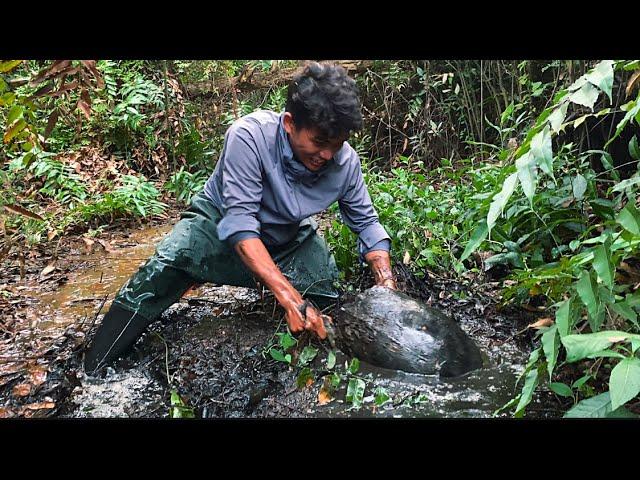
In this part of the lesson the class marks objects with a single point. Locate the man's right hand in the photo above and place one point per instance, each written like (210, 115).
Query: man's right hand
(255, 256)
(312, 320)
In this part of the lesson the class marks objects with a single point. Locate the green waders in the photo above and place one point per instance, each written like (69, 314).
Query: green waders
(192, 253)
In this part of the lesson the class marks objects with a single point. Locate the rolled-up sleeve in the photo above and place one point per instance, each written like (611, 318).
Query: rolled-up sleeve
(241, 187)
(360, 216)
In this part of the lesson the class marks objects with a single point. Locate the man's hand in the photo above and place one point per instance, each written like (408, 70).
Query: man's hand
(311, 320)
(379, 262)
(255, 256)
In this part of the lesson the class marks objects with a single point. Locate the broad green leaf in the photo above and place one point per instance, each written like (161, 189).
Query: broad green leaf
(594, 407)
(587, 294)
(477, 237)
(602, 77)
(561, 389)
(335, 380)
(355, 391)
(382, 396)
(629, 218)
(634, 150)
(530, 384)
(580, 346)
(624, 383)
(563, 320)
(308, 354)
(557, 117)
(501, 199)
(629, 182)
(587, 96)
(603, 266)
(354, 366)
(331, 360)
(277, 355)
(635, 344)
(526, 166)
(542, 151)
(287, 341)
(579, 185)
(550, 346)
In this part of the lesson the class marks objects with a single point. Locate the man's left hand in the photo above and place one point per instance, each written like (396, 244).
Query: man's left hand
(380, 263)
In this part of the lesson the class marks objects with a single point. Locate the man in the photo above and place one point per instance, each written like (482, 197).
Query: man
(252, 220)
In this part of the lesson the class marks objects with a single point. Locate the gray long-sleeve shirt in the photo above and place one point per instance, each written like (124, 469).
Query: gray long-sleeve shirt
(263, 191)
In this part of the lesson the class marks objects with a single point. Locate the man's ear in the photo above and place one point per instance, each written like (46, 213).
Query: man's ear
(288, 122)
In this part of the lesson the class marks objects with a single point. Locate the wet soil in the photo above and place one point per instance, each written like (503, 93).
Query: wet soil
(211, 350)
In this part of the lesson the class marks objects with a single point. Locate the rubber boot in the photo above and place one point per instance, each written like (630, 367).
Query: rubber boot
(119, 330)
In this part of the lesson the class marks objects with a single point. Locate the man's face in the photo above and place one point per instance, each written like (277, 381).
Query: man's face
(309, 146)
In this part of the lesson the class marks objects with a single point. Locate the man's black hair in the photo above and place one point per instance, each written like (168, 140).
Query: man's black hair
(323, 96)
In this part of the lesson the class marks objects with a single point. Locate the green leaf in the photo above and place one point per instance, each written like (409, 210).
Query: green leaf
(563, 318)
(624, 383)
(635, 344)
(581, 381)
(579, 187)
(331, 360)
(354, 366)
(303, 378)
(594, 407)
(14, 130)
(621, 412)
(550, 346)
(7, 99)
(335, 380)
(634, 150)
(381, 396)
(286, 341)
(278, 355)
(530, 384)
(557, 117)
(580, 346)
(355, 391)
(606, 354)
(603, 266)
(9, 65)
(626, 311)
(587, 294)
(308, 354)
(16, 112)
(477, 237)
(561, 389)
(526, 166)
(602, 77)
(632, 108)
(629, 182)
(629, 218)
(587, 96)
(542, 151)
(501, 199)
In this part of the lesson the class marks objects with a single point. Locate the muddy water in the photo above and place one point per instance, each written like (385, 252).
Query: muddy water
(84, 291)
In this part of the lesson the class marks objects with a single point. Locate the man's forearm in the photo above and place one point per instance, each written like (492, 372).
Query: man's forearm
(255, 256)
(379, 262)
